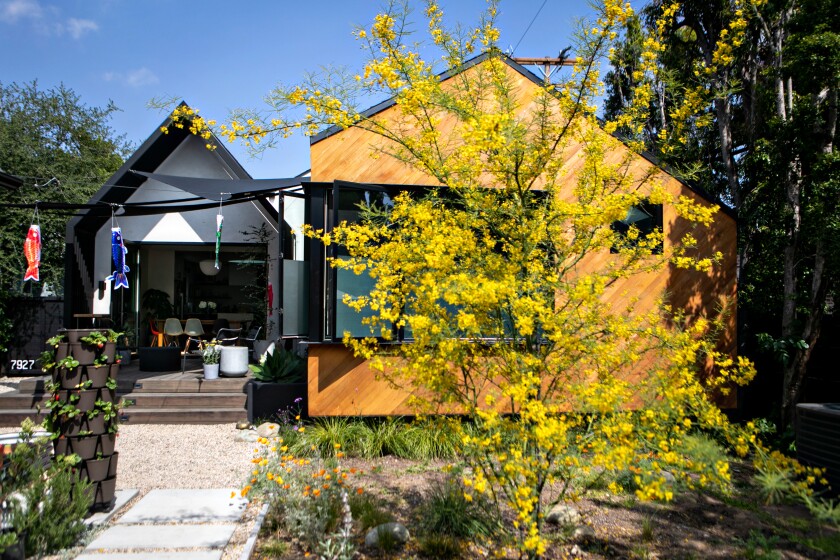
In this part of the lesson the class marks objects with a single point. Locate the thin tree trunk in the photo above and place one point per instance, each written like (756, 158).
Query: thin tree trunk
(723, 108)
(796, 368)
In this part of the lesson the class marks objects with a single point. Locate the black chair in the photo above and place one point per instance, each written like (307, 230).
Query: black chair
(228, 337)
(219, 324)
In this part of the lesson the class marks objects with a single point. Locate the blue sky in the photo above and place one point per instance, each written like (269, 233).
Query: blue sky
(218, 55)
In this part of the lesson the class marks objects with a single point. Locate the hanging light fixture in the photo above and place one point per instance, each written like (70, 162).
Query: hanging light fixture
(208, 267)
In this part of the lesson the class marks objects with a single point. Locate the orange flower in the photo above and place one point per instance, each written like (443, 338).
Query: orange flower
(316, 492)
(359, 491)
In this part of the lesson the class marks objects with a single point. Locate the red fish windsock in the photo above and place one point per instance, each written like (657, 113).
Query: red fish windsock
(32, 252)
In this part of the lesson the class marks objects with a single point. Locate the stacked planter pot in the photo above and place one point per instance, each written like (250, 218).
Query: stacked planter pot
(85, 430)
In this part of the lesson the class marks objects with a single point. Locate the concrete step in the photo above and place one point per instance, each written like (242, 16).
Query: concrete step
(186, 400)
(134, 415)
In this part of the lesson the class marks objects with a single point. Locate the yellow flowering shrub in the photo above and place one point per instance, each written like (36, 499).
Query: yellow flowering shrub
(503, 277)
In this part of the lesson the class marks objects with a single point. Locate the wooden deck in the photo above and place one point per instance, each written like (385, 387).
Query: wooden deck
(158, 398)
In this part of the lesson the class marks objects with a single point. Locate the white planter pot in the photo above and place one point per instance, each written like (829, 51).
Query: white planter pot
(234, 361)
(211, 371)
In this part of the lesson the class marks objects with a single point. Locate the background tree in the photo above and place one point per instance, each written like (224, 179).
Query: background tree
(763, 131)
(64, 151)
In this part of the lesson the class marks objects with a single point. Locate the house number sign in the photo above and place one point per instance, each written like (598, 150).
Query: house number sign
(21, 364)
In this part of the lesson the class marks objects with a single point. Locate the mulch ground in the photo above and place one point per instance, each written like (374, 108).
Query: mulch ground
(692, 526)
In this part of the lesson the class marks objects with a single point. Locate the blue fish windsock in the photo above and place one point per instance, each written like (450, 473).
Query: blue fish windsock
(118, 252)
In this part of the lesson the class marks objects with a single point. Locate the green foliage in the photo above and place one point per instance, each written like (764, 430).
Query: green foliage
(368, 511)
(374, 437)
(440, 547)
(279, 366)
(760, 547)
(46, 134)
(56, 502)
(447, 511)
(211, 354)
(156, 304)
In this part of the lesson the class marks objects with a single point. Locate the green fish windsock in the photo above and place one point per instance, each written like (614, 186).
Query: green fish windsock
(219, 220)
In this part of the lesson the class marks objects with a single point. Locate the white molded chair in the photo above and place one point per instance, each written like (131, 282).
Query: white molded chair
(194, 332)
(172, 329)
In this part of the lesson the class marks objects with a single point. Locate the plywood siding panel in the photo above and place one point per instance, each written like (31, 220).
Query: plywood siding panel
(341, 384)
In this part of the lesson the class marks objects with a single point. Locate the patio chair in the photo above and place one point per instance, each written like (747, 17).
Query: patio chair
(194, 331)
(219, 324)
(250, 338)
(172, 328)
(228, 337)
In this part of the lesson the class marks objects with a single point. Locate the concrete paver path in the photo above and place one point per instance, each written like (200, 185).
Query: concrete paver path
(171, 525)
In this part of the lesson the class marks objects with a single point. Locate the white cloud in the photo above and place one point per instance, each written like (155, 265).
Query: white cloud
(135, 78)
(45, 20)
(78, 27)
(13, 10)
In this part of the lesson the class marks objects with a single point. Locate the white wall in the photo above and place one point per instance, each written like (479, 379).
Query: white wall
(190, 159)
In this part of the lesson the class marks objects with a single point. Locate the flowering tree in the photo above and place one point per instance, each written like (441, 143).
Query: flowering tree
(507, 276)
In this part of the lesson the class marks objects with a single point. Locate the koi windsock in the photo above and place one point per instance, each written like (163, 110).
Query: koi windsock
(32, 252)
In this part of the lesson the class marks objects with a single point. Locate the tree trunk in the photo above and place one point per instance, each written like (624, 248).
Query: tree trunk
(723, 108)
(796, 368)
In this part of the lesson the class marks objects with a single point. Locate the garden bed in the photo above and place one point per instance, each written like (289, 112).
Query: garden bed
(692, 526)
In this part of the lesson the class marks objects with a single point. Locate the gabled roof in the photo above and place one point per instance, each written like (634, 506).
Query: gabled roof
(148, 157)
(378, 108)
(390, 102)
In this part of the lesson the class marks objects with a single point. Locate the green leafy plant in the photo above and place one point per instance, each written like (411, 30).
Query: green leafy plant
(447, 511)
(61, 409)
(47, 360)
(95, 338)
(100, 360)
(211, 353)
(113, 336)
(55, 340)
(279, 366)
(108, 410)
(111, 383)
(68, 362)
(46, 503)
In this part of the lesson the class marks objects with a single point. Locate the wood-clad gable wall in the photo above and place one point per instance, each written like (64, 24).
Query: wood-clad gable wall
(340, 384)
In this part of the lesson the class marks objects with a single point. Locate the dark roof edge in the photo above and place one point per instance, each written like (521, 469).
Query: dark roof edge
(222, 152)
(443, 76)
(10, 181)
(378, 108)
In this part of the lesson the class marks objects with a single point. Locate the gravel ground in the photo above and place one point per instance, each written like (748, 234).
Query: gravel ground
(181, 456)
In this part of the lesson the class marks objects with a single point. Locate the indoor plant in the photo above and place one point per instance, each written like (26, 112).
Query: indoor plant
(210, 356)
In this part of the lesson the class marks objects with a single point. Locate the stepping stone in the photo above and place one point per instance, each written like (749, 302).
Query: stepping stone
(148, 537)
(186, 506)
(103, 517)
(191, 555)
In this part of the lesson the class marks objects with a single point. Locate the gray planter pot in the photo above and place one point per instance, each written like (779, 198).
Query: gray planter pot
(267, 400)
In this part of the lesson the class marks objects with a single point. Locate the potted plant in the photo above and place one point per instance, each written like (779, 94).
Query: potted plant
(210, 356)
(278, 382)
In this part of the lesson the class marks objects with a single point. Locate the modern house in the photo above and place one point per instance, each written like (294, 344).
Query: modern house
(168, 226)
(169, 231)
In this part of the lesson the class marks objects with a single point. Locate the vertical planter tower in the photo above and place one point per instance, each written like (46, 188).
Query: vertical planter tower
(84, 411)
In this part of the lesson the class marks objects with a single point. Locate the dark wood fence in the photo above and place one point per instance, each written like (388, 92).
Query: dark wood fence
(35, 320)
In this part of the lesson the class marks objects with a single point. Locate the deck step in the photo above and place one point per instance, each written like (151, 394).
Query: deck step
(186, 400)
(13, 417)
(156, 385)
(15, 400)
(135, 415)
(221, 385)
